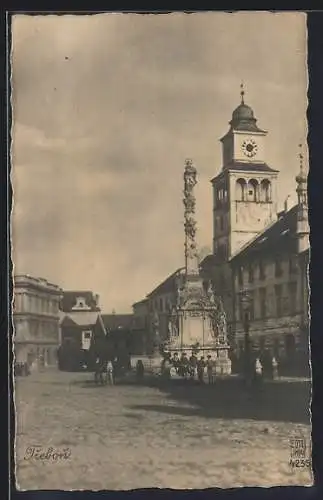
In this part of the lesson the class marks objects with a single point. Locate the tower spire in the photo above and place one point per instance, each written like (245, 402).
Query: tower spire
(301, 157)
(242, 92)
(301, 179)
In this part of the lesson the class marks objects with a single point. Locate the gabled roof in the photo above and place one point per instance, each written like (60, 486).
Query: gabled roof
(69, 300)
(278, 238)
(117, 321)
(80, 318)
(140, 302)
(168, 285)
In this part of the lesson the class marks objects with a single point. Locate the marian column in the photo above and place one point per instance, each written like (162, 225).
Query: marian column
(197, 321)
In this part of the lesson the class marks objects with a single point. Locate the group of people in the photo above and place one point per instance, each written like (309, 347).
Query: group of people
(104, 372)
(189, 367)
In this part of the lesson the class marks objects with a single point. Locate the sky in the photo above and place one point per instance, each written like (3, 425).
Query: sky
(107, 107)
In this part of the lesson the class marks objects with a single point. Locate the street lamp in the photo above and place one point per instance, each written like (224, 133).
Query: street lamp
(245, 303)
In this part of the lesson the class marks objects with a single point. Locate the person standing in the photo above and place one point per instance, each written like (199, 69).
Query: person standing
(209, 368)
(185, 365)
(110, 372)
(200, 370)
(175, 362)
(166, 367)
(140, 370)
(192, 366)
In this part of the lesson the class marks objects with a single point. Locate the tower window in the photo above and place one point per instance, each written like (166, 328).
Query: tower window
(241, 189)
(265, 190)
(253, 190)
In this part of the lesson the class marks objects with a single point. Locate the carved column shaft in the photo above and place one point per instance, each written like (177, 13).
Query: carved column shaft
(190, 181)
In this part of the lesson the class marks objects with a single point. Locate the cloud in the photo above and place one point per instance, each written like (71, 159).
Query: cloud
(107, 108)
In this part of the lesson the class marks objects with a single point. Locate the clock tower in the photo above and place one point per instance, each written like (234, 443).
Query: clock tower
(244, 192)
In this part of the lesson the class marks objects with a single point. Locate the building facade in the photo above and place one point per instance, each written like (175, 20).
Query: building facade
(260, 257)
(153, 312)
(36, 320)
(160, 303)
(269, 277)
(141, 326)
(81, 325)
(79, 317)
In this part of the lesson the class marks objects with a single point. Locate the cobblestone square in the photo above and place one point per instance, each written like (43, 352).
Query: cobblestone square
(131, 436)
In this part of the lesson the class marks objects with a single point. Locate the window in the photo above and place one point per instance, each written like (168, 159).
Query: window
(240, 276)
(251, 307)
(161, 304)
(278, 267)
(292, 290)
(252, 190)
(286, 302)
(247, 310)
(293, 264)
(265, 191)
(262, 273)
(263, 300)
(278, 294)
(250, 273)
(241, 190)
(221, 223)
(86, 339)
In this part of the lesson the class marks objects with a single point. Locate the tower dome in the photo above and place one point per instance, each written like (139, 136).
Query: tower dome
(243, 112)
(243, 117)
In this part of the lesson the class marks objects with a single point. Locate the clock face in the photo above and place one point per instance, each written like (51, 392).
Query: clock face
(249, 148)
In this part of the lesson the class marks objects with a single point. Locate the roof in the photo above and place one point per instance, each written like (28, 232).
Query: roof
(278, 238)
(168, 285)
(245, 167)
(69, 300)
(211, 260)
(26, 280)
(140, 302)
(116, 321)
(80, 318)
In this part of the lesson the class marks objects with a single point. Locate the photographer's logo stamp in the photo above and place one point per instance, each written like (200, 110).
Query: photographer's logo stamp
(300, 453)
